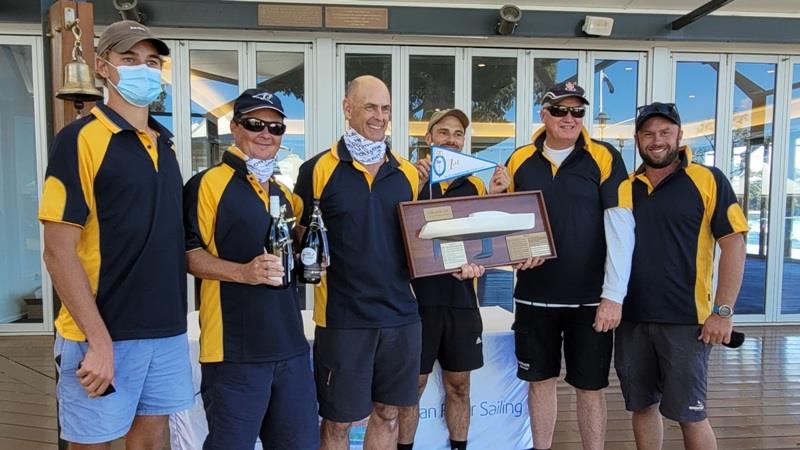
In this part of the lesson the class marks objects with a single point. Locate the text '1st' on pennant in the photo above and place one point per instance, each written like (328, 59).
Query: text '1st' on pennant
(447, 164)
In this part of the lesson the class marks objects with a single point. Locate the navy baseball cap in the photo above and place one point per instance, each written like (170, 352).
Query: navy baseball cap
(253, 99)
(668, 110)
(564, 90)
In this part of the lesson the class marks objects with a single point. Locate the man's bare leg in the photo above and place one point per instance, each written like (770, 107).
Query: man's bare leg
(148, 433)
(457, 407)
(334, 435)
(409, 415)
(103, 446)
(382, 428)
(698, 435)
(592, 418)
(543, 406)
(648, 428)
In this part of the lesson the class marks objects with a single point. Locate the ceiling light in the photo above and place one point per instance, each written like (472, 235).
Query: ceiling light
(598, 26)
(481, 65)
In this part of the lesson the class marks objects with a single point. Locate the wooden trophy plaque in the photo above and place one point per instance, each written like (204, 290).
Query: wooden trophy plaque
(495, 230)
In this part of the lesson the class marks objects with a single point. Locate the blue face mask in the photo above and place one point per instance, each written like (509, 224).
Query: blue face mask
(138, 85)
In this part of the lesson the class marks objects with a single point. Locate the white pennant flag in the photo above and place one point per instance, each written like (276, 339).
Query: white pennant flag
(447, 164)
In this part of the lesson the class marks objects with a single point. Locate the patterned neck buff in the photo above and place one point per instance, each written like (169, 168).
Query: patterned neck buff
(362, 149)
(261, 168)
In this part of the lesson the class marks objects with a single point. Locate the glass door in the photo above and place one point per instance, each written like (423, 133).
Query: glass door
(618, 86)
(750, 170)
(789, 304)
(26, 301)
(696, 94)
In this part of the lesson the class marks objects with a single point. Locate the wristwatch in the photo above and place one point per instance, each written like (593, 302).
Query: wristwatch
(723, 311)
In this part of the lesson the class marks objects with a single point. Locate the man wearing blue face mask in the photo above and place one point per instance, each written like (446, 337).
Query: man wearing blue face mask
(257, 379)
(113, 235)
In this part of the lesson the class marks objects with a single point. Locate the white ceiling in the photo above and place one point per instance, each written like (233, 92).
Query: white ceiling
(777, 8)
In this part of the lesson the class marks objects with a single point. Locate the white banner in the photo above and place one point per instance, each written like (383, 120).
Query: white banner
(447, 164)
(499, 416)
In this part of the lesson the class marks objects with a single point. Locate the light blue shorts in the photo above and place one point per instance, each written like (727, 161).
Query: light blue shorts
(152, 377)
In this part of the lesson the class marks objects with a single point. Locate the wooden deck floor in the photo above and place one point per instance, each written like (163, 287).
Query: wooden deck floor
(754, 398)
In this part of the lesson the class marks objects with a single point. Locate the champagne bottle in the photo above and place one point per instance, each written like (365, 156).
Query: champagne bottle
(315, 255)
(279, 242)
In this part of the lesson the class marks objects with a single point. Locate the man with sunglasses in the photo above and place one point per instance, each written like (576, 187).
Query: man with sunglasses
(670, 319)
(578, 296)
(257, 378)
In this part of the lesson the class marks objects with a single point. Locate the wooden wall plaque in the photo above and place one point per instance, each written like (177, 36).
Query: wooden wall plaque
(290, 16)
(358, 18)
(475, 230)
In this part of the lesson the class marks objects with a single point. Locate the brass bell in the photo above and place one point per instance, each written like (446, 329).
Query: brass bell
(78, 84)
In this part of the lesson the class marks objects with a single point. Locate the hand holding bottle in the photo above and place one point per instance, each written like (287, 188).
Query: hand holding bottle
(263, 269)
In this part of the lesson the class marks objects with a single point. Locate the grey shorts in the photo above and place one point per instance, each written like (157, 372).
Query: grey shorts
(354, 368)
(663, 363)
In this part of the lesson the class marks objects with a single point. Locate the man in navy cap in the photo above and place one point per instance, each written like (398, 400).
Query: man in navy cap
(257, 378)
(575, 299)
(672, 315)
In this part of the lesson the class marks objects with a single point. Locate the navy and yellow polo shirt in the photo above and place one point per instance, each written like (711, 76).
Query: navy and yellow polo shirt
(576, 194)
(445, 290)
(367, 284)
(124, 191)
(677, 224)
(226, 212)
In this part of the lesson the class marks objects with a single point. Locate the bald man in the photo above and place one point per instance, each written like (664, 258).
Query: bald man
(367, 341)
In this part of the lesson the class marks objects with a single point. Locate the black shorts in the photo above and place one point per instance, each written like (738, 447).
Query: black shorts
(538, 333)
(354, 368)
(453, 336)
(663, 363)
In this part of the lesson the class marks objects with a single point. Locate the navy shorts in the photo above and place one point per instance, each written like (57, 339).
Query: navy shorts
(273, 400)
(356, 367)
(538, 335)
(663, 363)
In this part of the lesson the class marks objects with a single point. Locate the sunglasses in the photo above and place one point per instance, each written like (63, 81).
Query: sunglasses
(561, 111)
(668, 109)
(258, 125)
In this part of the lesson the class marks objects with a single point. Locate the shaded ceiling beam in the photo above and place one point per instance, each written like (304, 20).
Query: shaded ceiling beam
(699, 13)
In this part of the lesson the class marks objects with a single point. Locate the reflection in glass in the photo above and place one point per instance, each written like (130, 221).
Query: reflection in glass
(790, 298)
(431, 88)
(20, 250)
(214, 82)
(753, 100)
(546, 73)
(615, 101)
(283, 74)
(696, 99)
(379, 66)
(161, 109)
(494, 113)
(494, 109)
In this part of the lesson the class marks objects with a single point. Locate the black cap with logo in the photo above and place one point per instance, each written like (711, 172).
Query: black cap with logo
(563, 90)
(253, 99)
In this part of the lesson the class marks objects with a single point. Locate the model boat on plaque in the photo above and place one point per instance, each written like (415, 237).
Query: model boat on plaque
(442, 235)
(478, 225)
